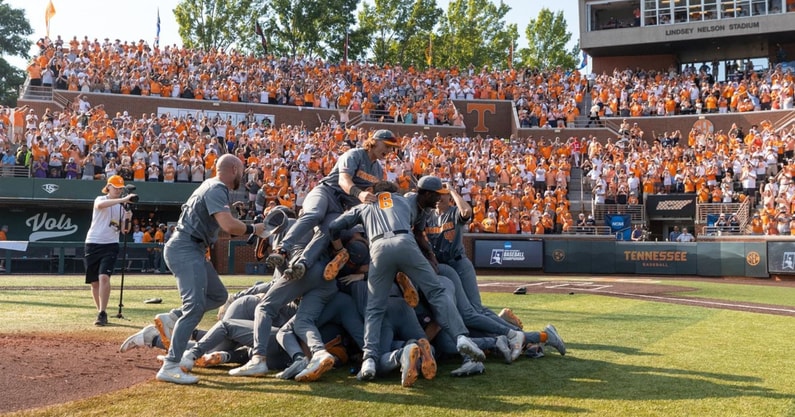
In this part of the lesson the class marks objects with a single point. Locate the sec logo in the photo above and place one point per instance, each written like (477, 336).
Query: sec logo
(753, 258)
(558, 255)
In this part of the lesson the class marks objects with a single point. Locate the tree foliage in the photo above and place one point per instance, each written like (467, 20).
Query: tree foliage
(469, 32)
(547, 38)
(14, 32)
(215, 24)
(399, 29)
(312, 28)
(474, 32)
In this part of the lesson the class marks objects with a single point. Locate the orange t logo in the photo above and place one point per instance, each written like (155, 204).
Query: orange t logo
(481, 109)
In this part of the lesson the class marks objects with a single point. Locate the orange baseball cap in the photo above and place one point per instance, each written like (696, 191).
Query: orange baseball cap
(115, 181)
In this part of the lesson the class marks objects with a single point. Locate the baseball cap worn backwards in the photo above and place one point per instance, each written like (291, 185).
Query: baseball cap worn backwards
(431, 183)
(386, 136)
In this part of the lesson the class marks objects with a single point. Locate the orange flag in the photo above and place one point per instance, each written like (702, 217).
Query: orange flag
(429, 51)
(48, 14)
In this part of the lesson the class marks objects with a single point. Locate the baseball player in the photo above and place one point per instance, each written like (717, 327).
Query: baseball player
(347, 185)
(387, 222)
(207, 211)
(444, 228)
(476, 320)
(314, 291)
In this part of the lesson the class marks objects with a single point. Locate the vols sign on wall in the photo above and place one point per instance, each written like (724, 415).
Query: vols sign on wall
(509, 254)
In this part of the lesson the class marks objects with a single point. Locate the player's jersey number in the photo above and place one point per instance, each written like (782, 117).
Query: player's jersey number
(385, 201)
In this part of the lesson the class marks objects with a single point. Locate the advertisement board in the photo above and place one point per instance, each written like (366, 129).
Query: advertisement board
(781, 257)
(509, 254)
(46, 224)
(676, 206)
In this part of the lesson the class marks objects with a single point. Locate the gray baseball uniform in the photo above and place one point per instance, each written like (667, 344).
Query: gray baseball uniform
(445, 233)
(314, 292)
(387, 224)
(328, 198)
(237, 329)
(200, 287)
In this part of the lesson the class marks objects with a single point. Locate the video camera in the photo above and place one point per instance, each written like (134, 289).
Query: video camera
(128, 189)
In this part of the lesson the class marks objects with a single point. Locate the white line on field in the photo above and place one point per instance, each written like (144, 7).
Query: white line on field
(700, 302)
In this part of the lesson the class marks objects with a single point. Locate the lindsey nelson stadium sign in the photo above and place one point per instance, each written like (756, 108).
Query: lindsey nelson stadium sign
(732, 28)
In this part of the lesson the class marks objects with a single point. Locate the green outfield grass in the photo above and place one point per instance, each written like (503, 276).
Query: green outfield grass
(626, 358)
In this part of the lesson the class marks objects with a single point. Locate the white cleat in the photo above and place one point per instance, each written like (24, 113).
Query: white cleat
(516, 340)
(143, 338)
(466, 346)
(256, 366)
(171, 372)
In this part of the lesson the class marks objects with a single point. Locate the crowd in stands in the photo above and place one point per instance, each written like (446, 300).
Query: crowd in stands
(516, 185)
(391, 93)
(637, 93)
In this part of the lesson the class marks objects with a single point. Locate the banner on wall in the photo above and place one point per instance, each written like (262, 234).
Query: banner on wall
(509, 254)
(46, 224)
(620, 225)
(671, 206)
(781, 257)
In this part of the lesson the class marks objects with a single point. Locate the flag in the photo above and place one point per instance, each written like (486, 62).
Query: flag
(510, 55)
(429, 51)
(258, 31)
(48, 14)
(157, 36)
(346, 47)
(584, 62)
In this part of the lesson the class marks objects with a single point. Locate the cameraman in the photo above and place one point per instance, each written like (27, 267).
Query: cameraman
(110, 217)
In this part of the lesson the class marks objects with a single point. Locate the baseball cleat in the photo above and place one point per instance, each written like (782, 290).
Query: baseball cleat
(143, 338)
(407, 288)
(275, 259)
(466, 346)
(171, 372)
(409, 359)
(256, 366)
(428, 361)
(165, 326)
(294, 369)
(321, 363)
(295, 272)
(336, 348)
(508, 315)
(334, 266)
(516, 340)
(534, 351)
(469, 368)
(554, 340)
(187, 362)
(504, 348)
(213, 359)
(367, 372)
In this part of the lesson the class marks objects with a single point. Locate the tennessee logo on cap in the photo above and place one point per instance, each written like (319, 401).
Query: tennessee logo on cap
(115, 181)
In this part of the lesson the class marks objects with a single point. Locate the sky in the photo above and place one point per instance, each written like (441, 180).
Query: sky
(135, 20)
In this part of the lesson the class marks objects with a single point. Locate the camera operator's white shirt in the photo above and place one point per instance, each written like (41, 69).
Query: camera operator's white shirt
(105, 223)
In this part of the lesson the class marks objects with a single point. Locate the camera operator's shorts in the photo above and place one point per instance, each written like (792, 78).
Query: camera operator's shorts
(100, 259)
